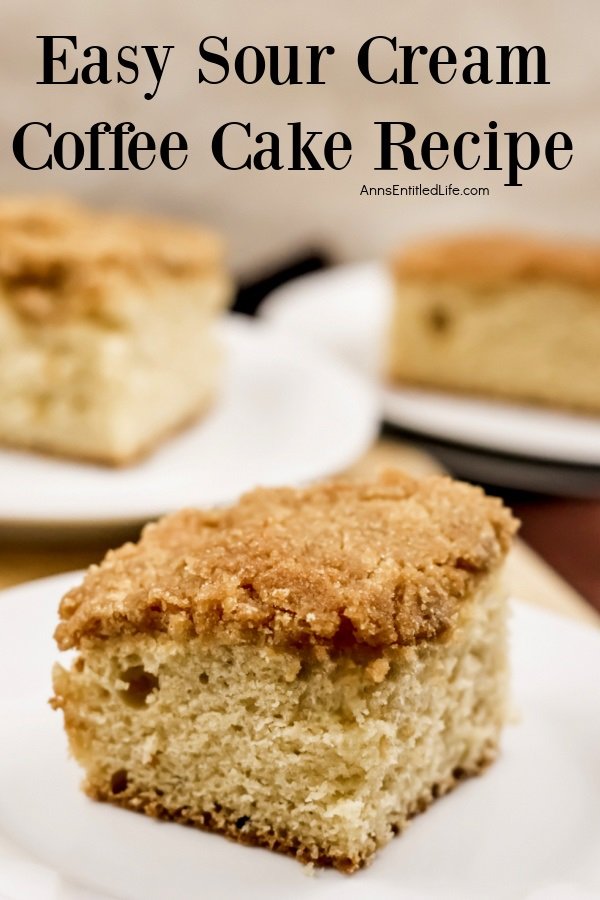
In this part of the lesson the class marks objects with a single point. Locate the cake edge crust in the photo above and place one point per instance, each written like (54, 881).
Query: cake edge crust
(149, 803)
(476, 259)
(475, 541)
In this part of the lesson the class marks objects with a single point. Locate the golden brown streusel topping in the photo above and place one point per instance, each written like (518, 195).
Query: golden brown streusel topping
(56, 257)
(484, 259)
(340, 564)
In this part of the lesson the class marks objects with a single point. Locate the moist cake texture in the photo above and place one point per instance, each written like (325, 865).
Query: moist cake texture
(305, 670)
(105, 328)
(511, 316)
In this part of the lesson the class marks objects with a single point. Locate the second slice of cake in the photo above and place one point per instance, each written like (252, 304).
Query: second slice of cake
(105, 329)
(304, 670)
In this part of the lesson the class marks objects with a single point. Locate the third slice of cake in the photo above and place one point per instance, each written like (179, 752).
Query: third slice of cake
(505, 315)
(304, 670)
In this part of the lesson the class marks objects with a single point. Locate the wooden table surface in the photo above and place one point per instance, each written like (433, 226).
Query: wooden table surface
(530, 579)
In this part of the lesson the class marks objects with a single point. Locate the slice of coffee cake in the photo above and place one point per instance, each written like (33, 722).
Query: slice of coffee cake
(508, 316)
(304, 670)
(105, 328)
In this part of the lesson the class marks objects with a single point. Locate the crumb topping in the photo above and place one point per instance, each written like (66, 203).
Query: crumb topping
(483, 259)
(56, 257)
(379, 563)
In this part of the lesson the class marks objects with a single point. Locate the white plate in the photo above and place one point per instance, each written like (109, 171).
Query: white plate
(285, 414)
(531, 823)
(346, 309)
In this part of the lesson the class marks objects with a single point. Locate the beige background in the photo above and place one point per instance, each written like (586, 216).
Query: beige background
(267, 216)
